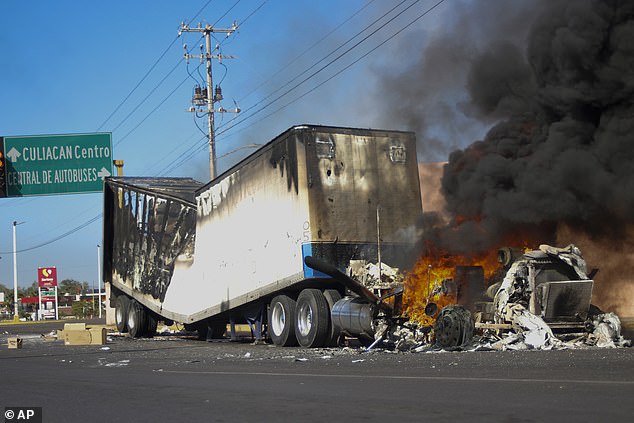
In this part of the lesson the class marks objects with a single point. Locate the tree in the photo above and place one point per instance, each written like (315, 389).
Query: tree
(8, 298)
(31, 291)
(8, 292)
(71, 287)
(82, 309)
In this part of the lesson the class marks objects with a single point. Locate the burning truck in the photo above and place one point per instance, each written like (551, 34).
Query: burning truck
(296, 240)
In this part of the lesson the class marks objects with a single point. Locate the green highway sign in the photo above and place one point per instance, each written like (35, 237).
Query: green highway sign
(56, 164)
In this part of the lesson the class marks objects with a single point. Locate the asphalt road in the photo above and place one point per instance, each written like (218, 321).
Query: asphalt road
(177, 378)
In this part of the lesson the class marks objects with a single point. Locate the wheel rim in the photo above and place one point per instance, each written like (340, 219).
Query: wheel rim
(119, 315)
(131, 321)
(278, 319)
(304, 319)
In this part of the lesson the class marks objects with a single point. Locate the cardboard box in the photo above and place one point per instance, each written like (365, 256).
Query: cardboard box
(79, 334)
(97, 336)
(15, 343)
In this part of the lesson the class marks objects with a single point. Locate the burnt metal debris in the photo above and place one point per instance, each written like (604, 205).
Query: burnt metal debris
(541, 302)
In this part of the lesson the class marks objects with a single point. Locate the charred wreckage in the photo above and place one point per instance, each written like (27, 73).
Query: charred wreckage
(539, 300)
(294, 241)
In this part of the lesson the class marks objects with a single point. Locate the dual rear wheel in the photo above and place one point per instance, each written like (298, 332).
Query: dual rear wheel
(305, 320)
(134, 318)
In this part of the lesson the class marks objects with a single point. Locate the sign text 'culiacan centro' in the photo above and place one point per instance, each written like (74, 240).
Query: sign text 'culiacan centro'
(56, 164)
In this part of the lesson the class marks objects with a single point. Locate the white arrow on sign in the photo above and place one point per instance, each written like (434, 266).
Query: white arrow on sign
(103, 173)
(13, 154)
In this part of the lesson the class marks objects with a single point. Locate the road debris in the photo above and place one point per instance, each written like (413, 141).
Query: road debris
(120, 363)
(541, 301)
(376, 276)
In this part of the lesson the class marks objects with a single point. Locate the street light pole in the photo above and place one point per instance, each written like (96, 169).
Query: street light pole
(15, 274)
(99, 277)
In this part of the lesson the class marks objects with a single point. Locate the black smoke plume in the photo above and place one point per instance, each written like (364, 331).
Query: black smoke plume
(561, 148)
(565, 151)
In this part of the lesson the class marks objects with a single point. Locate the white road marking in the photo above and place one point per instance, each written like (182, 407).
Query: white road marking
(432, 378)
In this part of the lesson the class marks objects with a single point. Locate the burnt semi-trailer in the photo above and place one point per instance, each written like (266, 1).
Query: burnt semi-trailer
(237, 247)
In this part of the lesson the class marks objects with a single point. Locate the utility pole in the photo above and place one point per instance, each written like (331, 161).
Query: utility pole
(208, 95)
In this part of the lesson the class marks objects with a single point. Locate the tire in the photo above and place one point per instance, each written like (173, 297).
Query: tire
(152, 324)
(332, 296)
(122, 307)
(312, 319)
(281, 319)
(454, 327)
(137, 320)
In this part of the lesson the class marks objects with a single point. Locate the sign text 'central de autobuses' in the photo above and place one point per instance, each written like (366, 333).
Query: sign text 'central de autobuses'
(55, 164)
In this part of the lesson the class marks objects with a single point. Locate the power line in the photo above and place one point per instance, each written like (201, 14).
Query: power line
(201, 10)
(226, 13)
(168, 155)
(286, 66)
(181, 160)
(148, 72)
(243, 21)
(57, 238)
(164, 78)
(147, 96)
(138, 84)
(94, 219)
(294, 87)
(187, 155)
(339, 71)
(190, 153)
(287, 83)
(151, 112)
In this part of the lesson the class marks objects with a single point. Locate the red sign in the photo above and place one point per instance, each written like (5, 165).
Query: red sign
(46, 277)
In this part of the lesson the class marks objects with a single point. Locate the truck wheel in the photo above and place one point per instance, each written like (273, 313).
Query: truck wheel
(282, 321)
(152, 324)
(332, 296)
(137, 320)
(454, 327)
(121, 313)
(312, 319)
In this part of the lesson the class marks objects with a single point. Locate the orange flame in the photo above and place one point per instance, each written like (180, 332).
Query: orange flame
(422, 284)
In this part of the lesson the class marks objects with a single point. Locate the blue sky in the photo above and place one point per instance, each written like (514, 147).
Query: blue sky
(66, 66)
